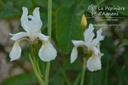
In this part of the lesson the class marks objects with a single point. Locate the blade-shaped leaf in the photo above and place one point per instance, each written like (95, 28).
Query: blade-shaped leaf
(125, 43)
(67, 28)
(22, 79)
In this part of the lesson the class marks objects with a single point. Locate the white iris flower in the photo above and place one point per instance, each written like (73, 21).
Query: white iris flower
(32, 25)
(92, 45)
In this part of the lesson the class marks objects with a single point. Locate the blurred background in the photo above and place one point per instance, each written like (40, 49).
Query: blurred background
(66, 18)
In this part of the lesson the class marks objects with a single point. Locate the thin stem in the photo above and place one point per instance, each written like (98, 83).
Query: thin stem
(36, 73)
(83, 73)
(47, 73)
(34, 62)
(49, 17)
(49, 33)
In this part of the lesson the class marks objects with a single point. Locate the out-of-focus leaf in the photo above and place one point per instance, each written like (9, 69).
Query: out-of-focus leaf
(95, 78)
(125, 43)
(121, 3)
(57, 79)
(85, 4)
(77, 65)
(122, 73)
(22, 79)
(9, 14)
(67, 29)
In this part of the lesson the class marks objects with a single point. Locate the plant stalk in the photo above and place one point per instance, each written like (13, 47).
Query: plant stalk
(83, 73)
(49, 34)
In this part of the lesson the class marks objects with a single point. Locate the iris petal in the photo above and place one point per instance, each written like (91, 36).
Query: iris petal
(42, 37)
(15, 52)
(98, 38)
(78, 43)
(94, 63)
(24, 19)
(31, 26)
(74, 54)
(47, 52)
(19, 35)
(88, 34)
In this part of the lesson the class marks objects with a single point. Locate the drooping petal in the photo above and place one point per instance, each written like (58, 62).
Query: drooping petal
(47, 52)
(15, 52)
(19, 35)
(78, 43)
(88, 34)
(42, 36)
(94, 63)
(74, 54)
(98, 38)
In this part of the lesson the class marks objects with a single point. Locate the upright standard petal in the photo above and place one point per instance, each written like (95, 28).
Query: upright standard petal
(34, 24)
(98, 38)
(74, 54)
(47, 52)
(94, 63)
(24, 19)
(15, 52)
(36, 13)
(19, 35)
(88, 34)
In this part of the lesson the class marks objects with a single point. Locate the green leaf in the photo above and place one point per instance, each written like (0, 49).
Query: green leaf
(125, 43)
(9, 13)
(67, 28)
(121, 3)
(22, 79)
(85, 4)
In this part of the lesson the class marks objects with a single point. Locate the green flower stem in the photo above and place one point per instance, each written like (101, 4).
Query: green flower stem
(34, 62)
(36, 73)
(49, 33)
(83, 73)
(47, 73)
(49, 18)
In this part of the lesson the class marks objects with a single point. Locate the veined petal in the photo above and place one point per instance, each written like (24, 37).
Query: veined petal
(15, 52)
(88, 34)
(19, 35)
(94, 63)
(98, 38)
(74, 54)
(42, 36)
(47, 52)
(78, 43)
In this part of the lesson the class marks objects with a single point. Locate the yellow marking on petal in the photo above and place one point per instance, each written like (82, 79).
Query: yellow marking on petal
(83, 22)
